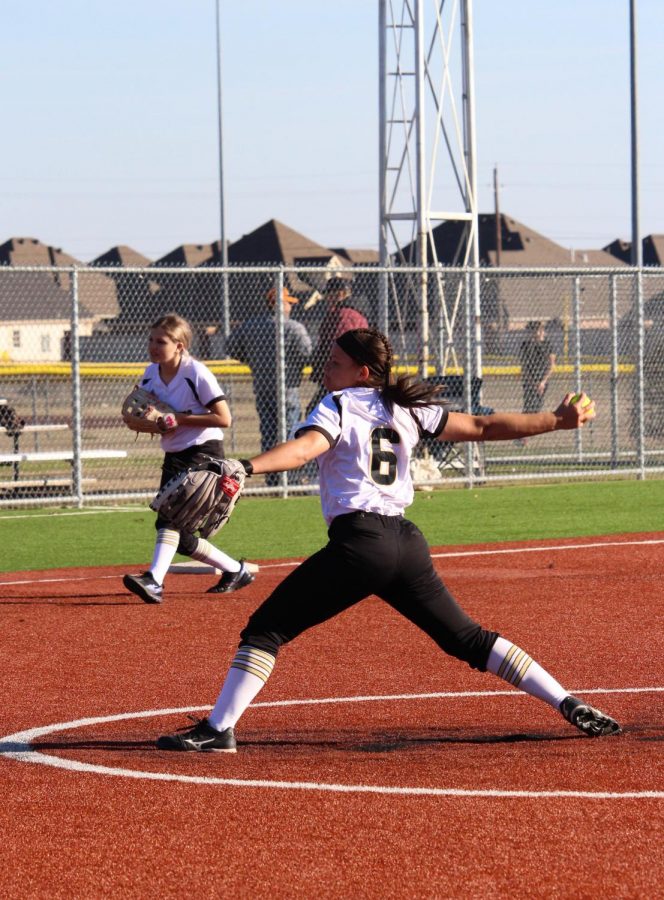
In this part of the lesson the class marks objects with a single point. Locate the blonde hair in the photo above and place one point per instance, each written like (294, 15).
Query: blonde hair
(177, 328)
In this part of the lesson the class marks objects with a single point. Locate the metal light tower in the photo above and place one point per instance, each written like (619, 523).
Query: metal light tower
(428, 162)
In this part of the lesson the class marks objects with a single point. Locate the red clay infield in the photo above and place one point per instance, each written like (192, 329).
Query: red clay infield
(383, 792)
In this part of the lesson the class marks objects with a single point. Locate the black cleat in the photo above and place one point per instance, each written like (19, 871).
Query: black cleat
(202, 738)
(145, 587)
(232, 581)
(588, 719)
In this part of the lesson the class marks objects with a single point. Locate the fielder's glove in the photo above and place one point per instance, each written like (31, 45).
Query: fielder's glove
(145, 413)
(202, 498)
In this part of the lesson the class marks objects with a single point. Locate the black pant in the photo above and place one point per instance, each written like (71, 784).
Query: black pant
(177, 462)
(369, 554)
(533, 401)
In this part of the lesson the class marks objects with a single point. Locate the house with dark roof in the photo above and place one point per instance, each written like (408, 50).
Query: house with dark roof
(274, 243)
(36, 306)
(509, 302)
(135, 290)
(96, 292)
(35, 318)
(652, 248)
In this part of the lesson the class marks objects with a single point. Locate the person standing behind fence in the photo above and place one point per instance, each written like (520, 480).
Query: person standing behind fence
(255, 343)
(183, 382)
(537, 361)
(340, 316)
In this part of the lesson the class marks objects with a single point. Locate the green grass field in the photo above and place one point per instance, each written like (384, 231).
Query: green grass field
(273, 528)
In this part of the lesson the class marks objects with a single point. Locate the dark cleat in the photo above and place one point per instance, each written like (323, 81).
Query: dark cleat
(145, 587)
(232, 581)
(202, 738)
(588, 719)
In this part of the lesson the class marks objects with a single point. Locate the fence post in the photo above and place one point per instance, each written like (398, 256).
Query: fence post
(280, 360)
(576, 324)
(76, 424)
(641, 455)
(613, 378)
(468, 373)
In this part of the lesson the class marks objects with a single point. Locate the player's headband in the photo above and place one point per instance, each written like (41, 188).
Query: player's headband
(358, 351)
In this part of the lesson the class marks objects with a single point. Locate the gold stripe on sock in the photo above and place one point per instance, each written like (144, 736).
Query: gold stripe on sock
(268, 658)
(202, 551)
(168, 537)
(524, 665)
(505, 664)
(515, 663)
(252, 671)
(514, 666)
(257, 662)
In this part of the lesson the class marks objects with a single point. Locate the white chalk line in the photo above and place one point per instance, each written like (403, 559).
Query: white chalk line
(548, 548)
(88, 511)
(18, 747)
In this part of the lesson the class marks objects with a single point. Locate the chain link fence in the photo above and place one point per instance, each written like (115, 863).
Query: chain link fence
(73, 341)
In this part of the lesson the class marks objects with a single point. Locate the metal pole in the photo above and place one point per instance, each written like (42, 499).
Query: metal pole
(576, 324)
(614, 373)
(76, 423)
(225, 312)
(422, 221)
(383, 323)
(280, 358)
(496, 204)
(637, 248)
(470, 448)
(471, 163)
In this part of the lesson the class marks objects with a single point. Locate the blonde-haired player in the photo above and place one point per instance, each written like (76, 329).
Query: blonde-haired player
(185, 383)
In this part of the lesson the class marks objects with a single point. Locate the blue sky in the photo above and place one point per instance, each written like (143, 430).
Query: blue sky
(110, 119)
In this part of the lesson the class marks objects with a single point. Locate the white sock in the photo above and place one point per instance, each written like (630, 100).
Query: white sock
(513, 665)
(207, 553)
(164, 551)
(249, 671)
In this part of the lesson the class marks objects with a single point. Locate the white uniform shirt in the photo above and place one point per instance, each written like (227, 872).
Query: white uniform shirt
(193, 389)
(368, 464)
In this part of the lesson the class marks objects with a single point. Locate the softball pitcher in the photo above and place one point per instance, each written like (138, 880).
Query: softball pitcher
(362, 435)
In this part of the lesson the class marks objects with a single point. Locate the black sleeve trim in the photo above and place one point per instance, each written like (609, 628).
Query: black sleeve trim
(441, 424)
(432, 434)
(328, 437)
(212, 402)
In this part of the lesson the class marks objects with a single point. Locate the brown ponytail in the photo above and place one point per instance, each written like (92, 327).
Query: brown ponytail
(370, 348)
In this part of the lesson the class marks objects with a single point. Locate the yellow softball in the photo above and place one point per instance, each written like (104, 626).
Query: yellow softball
(577, 397)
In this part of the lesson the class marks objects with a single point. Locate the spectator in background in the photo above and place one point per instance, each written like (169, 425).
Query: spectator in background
(537, 361)
(340, 316)
(255, 343)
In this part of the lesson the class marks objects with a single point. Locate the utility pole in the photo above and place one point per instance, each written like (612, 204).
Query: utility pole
(223, 248)
(496, 206)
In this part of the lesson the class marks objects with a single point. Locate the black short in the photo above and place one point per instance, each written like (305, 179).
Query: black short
(369, 554)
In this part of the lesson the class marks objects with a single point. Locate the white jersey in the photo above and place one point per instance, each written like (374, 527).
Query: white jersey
(193, 389)
(368, 464)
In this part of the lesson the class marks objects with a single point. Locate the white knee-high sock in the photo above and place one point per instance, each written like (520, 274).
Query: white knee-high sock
(207, 553)
(249, 671)
(513, 665)
(164, 551)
